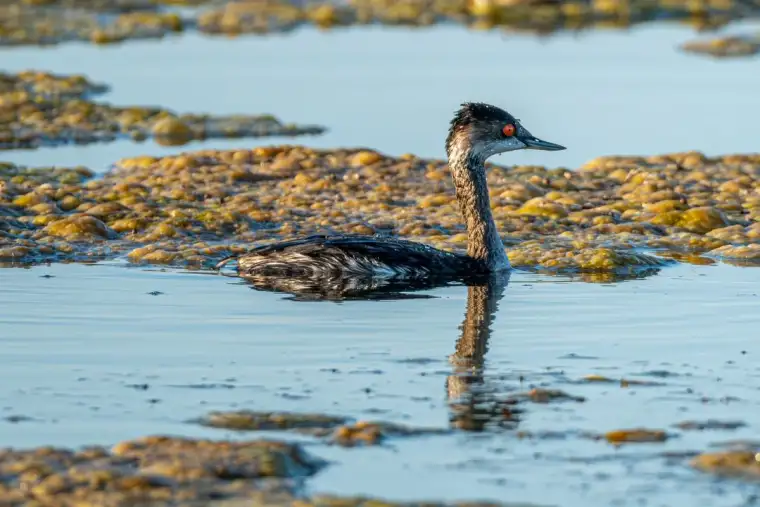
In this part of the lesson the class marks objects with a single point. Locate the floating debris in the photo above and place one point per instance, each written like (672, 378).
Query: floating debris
(15, 419)
(725, 47)
(538, 395)
(248, 420)
(710, 424)
(556, 435)
(600, 379)
(736, 464)
(637, 435)
(374, 433)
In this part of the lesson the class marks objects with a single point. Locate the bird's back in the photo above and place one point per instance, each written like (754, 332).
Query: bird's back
(353, 255)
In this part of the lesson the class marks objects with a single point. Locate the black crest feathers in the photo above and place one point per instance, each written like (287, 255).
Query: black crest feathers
(471, 113)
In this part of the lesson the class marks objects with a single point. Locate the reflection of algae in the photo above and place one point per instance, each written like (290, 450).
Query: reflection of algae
(614, 277)
(747, 255)
(695, 259)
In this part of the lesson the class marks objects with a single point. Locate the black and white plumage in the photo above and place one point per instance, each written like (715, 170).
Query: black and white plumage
(477, 132)
(354, 255)
(346, 267)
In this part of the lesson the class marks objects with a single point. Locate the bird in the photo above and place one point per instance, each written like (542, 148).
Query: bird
(476, 132)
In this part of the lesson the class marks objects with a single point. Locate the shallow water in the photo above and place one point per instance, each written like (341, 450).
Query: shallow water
(90, 356)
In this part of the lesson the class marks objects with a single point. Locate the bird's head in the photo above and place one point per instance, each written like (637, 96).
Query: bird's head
(482, 130)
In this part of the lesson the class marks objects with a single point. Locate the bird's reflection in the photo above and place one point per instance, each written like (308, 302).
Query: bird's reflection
(338, 287)
(472, 405)
(341, 288)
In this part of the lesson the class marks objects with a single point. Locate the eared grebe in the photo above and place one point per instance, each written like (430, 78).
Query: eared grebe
(477, 132)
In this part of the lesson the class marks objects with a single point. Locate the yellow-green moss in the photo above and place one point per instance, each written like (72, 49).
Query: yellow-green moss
(79, 227)
(540, 207)
(699, 220)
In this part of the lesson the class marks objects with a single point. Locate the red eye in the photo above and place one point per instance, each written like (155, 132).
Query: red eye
(508, 130)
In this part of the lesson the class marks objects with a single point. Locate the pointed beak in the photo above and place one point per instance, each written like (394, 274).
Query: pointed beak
(535, 143)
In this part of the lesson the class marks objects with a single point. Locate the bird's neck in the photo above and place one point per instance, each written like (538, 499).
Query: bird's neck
(483, 241)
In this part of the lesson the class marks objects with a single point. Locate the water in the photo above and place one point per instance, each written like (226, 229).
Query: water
(599, 93)
(210, 343)
(90, 356)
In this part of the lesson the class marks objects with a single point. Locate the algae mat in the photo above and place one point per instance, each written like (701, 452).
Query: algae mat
(195, 208)
(112, 22)
(40, 109)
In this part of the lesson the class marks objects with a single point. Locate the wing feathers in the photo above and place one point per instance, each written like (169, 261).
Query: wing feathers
(353, 255)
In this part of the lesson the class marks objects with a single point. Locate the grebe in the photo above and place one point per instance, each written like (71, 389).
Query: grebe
(477, 132)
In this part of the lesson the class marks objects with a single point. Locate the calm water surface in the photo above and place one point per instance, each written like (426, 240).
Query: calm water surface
(598, 93)
(75, 347)
(80, 347)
